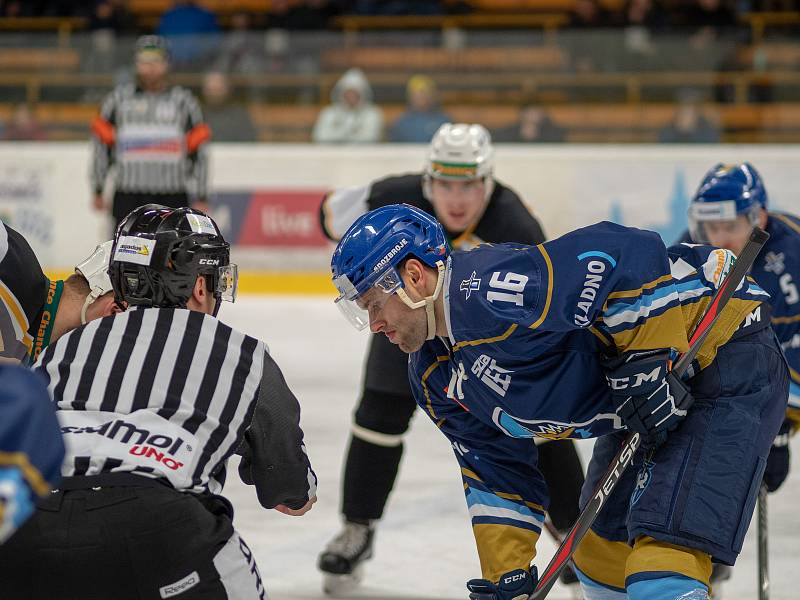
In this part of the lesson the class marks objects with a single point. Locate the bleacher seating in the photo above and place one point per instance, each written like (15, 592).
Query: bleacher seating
(544, 58)
(480, 84)
(584, 122)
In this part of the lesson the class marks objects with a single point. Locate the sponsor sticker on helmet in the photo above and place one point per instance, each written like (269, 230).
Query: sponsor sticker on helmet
(455, 170)
(201, 224)
(718, 265)
(132, 249)
(387, 259)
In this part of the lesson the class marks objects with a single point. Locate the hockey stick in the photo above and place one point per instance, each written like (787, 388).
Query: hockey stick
(763, 545)
(623, 458)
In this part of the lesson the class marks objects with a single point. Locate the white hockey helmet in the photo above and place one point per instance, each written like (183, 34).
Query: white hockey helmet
(460, 151)
(95, 270)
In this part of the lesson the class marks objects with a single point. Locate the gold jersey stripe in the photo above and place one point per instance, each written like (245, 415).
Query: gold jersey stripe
(31, 473)
(639, 291)
(491, 340)
(550, 282)
(425, 391)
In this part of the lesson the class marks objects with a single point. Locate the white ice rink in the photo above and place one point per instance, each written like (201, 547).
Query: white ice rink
(424, 546)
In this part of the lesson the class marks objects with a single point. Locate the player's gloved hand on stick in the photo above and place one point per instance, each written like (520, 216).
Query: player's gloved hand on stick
(648, 398)
(514, 585)
(778, 459)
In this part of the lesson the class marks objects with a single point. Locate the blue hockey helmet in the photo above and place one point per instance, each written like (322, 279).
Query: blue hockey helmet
(370, 251)
(726, 192)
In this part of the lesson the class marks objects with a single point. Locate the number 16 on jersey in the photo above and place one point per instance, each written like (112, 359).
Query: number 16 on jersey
(513, 285)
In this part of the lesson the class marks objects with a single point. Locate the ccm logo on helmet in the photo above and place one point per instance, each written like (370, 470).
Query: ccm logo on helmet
(390, 255)
(209, 261)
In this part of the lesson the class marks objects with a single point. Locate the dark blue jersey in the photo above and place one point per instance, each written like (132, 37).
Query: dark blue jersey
(528, 327)
(777, 271)
(31, 447)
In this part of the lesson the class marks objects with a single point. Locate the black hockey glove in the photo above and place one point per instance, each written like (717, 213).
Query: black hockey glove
(778, 459)
(514, 585)
(648, 398)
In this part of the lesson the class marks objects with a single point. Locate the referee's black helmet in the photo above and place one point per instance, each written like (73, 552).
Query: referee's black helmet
(159, 252)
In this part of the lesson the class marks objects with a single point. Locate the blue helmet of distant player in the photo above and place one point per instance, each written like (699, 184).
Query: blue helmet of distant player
(726, 193)
(366, 260)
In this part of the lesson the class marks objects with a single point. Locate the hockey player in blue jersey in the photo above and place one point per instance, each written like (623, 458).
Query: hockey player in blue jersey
(573, 338)
(31, 448)
(730, 201)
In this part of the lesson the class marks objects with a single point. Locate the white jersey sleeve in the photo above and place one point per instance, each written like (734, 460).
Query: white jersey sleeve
(342, 207)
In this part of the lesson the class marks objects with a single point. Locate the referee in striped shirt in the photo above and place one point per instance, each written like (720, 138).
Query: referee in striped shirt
(152, 402)
(153, 133)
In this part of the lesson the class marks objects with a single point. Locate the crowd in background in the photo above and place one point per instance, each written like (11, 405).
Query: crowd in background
(316, 14)
(252, 43)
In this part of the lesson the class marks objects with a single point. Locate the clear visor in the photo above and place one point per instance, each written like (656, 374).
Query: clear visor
(357, 304)
(717, 223)
(228, 282)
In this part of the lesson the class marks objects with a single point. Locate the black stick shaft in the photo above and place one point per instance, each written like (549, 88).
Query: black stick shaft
(624, 457)
(763, 545)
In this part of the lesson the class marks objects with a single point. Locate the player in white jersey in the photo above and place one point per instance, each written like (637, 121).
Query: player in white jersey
(152, 402)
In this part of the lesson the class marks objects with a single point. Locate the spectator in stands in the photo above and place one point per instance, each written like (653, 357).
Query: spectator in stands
(689, 125)
(534, 127)
(229, 121)
(642, 19)
(351, 117)
(15, 8)
(192, 31)
(242, 48)
(424, 114)
(398, 7)
(587, 52)
(24, 125)
(112, 15)
(707, 21)
(302, 14)
(588, 14)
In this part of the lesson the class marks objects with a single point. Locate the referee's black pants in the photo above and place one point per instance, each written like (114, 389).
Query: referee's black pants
(128, 542)
(125, 202)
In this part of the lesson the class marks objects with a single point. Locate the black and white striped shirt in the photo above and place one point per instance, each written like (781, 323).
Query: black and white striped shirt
(155, 140)
(173, 393)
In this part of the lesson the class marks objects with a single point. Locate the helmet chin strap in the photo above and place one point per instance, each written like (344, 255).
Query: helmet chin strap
(89, 299)
(428, 301)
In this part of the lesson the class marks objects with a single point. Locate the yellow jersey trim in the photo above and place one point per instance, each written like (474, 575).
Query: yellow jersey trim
(18, 314)
(549, 297)
(31, 473)
(787, 221)
(492, 340)
(424, 381)
(781, 320)
(639, 291)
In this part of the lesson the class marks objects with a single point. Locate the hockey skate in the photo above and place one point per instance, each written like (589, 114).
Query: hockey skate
(569, 579)
(342, 561)
(719, 574)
